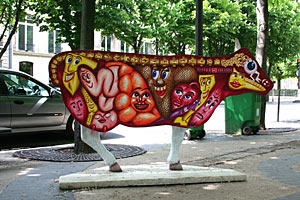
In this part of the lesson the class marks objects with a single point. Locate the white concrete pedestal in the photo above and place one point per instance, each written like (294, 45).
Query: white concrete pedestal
(148, 175)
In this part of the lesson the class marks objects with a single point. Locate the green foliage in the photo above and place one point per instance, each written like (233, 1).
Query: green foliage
(63, 15)
(225, 20)
(11, 12)
(8, 11)
(284, 43)
(175, 26)
(172, 23)
(130, 21)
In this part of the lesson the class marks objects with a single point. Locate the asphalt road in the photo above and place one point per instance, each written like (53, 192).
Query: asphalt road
(30, 140)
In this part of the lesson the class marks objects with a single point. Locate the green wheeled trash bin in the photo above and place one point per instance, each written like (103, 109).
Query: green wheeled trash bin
(242, 114)
(194, 133)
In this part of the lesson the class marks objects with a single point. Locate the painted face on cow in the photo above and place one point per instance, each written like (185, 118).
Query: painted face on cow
(205, 111)
(89, 81)
(77, 107)
(104, 121)
(185, 94)
(141, 100)
(207, 82)
(161, 85)
(238, 80)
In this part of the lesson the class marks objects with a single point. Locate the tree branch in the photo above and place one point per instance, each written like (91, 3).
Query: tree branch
(18, 13)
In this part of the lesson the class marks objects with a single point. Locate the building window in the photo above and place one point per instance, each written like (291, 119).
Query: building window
(26, 34)
(144, 48)
(1, 43)
(124, 47)
(26, 67)
(105, 43)
(53, 45)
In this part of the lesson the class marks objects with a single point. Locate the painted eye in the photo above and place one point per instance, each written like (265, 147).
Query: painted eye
(146, 95)
(234, 75)
(165, 74)
(208, 103)
(203, 83)
(88, 76)
(250, 66)
(188, 97)
(155, 74)
(69, 60)
(241, 76)
(107, 115)
(208, 82)
(76, 62)
(135, 95)
(212, 105)
(179, 92)
(97, 116)
(83, 77)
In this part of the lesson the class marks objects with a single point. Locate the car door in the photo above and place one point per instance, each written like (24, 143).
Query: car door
(5, 109)
(31, 103)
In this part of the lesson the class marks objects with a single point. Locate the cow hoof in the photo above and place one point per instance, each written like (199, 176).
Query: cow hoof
(176, 166)
(115, 168)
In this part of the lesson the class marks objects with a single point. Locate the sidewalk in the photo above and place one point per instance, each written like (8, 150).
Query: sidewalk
(253, 155)
(270, 160)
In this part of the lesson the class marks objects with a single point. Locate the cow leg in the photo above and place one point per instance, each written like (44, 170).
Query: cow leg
(93, 140)
(177, 138)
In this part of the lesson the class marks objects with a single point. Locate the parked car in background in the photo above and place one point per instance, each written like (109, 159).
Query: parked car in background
(28, 105)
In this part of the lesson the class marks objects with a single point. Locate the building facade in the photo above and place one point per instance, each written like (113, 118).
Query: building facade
(31, 50)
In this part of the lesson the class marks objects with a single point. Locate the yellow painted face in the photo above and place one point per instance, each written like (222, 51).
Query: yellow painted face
(207, 82)
(70, 75)
(237, 80)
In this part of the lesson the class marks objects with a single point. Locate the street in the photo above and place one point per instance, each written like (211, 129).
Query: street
(270, 160)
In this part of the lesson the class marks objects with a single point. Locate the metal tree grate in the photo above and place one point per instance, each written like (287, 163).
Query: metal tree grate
(68, 155)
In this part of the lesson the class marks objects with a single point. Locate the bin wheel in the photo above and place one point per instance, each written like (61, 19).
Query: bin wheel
(187, 135)
(190, 135)
(247, 130)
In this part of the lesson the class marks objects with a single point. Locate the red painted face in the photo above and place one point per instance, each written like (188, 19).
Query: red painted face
(207, 109)
(141, 100)
(185, 94)
(77, 107)
(104, 121)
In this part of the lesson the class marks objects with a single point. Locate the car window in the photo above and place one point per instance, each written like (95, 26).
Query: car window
(3, 89)
(20, 85)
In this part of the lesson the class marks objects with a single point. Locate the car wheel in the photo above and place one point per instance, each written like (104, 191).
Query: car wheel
(70, 127)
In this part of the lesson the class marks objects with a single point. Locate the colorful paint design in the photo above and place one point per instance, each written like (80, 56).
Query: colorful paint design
(104, 89)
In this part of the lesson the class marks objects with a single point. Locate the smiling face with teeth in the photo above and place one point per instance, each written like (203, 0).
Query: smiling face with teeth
(207, 82)
(160, 77)
(70, 77)
(161, 84)
(141, 100)
(70, 74)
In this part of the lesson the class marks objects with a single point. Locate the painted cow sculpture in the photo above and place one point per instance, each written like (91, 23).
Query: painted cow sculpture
(104, 89)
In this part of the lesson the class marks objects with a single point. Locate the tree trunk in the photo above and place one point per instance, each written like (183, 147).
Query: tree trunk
(261, 56)
(86, 43)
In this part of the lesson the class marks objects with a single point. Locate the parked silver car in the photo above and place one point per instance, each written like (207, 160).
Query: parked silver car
(27, 105)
